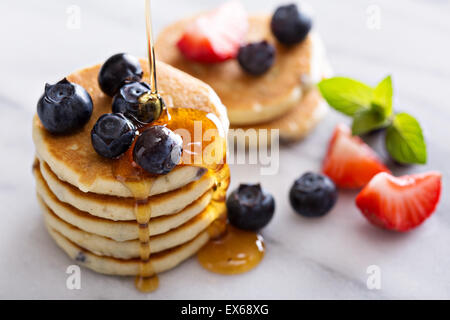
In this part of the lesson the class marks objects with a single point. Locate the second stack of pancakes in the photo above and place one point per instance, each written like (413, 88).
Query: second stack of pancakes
(284, 98)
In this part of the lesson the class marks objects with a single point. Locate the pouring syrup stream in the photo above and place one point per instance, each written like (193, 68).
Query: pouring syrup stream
(146, 280)
(151, 49)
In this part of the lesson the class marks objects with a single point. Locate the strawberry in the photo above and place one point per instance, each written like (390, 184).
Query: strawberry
(349, 162)
(217, 35)
(400, 203)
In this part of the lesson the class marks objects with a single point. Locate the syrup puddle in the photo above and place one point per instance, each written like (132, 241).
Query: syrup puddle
(230, 250)
(237, 251)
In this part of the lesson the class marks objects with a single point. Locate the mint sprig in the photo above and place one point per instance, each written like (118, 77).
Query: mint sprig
(371, 108)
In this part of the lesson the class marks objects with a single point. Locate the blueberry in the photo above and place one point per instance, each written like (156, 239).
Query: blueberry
(290, 25)
(250, 207)
(64, 107)
(313, 195)
(112, 135)
(81, 257)
(116, 70)
(256, 58)
(158, 150)
(136, 102)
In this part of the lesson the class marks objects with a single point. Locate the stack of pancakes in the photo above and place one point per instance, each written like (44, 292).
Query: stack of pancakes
(91, 215)
(284, 98)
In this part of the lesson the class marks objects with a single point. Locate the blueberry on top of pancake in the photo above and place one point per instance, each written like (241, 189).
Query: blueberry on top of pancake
(290, 25)
(256, 58)
(64, 107)
(112, 135)
(116, 70)
(158, 150)
(136, 101)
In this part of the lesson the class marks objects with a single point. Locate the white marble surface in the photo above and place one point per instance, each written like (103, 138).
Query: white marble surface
(324, 258)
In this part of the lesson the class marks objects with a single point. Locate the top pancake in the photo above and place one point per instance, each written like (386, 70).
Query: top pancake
(249, 99)
(72, 157)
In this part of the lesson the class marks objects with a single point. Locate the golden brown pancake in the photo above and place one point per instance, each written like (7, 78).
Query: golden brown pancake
(249, 100)
(72, 157)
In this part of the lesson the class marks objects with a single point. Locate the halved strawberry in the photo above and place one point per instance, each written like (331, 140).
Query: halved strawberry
(215, 36)
(400, 203)
(349, 162)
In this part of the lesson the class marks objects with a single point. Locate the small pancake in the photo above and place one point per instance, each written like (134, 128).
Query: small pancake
(130, 249)
(249, 99)
(118, 230)
(73, 159)
(161, 262)
(122, 209)
(295, 125)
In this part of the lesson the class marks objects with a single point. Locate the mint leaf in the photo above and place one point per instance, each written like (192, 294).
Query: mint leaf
(367, 120)
(404, 140)
(382, 97)
(346, 95)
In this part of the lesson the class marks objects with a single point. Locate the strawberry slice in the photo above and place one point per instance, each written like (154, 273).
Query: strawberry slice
(217, 35)
(400, 203)
(349, 162)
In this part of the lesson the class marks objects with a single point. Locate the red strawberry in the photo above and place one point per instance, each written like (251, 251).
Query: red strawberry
(349, 162)
(215, 36)
(400, 203)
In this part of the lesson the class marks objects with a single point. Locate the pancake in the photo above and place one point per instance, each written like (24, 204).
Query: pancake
(87, 200)
(122, 209)
(73, 159)
(130, 249)
(161, 262)
(251, 100)
(118, 230)
(295, 125)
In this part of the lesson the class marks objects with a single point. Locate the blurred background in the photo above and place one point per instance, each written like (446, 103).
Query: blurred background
(43, 41)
